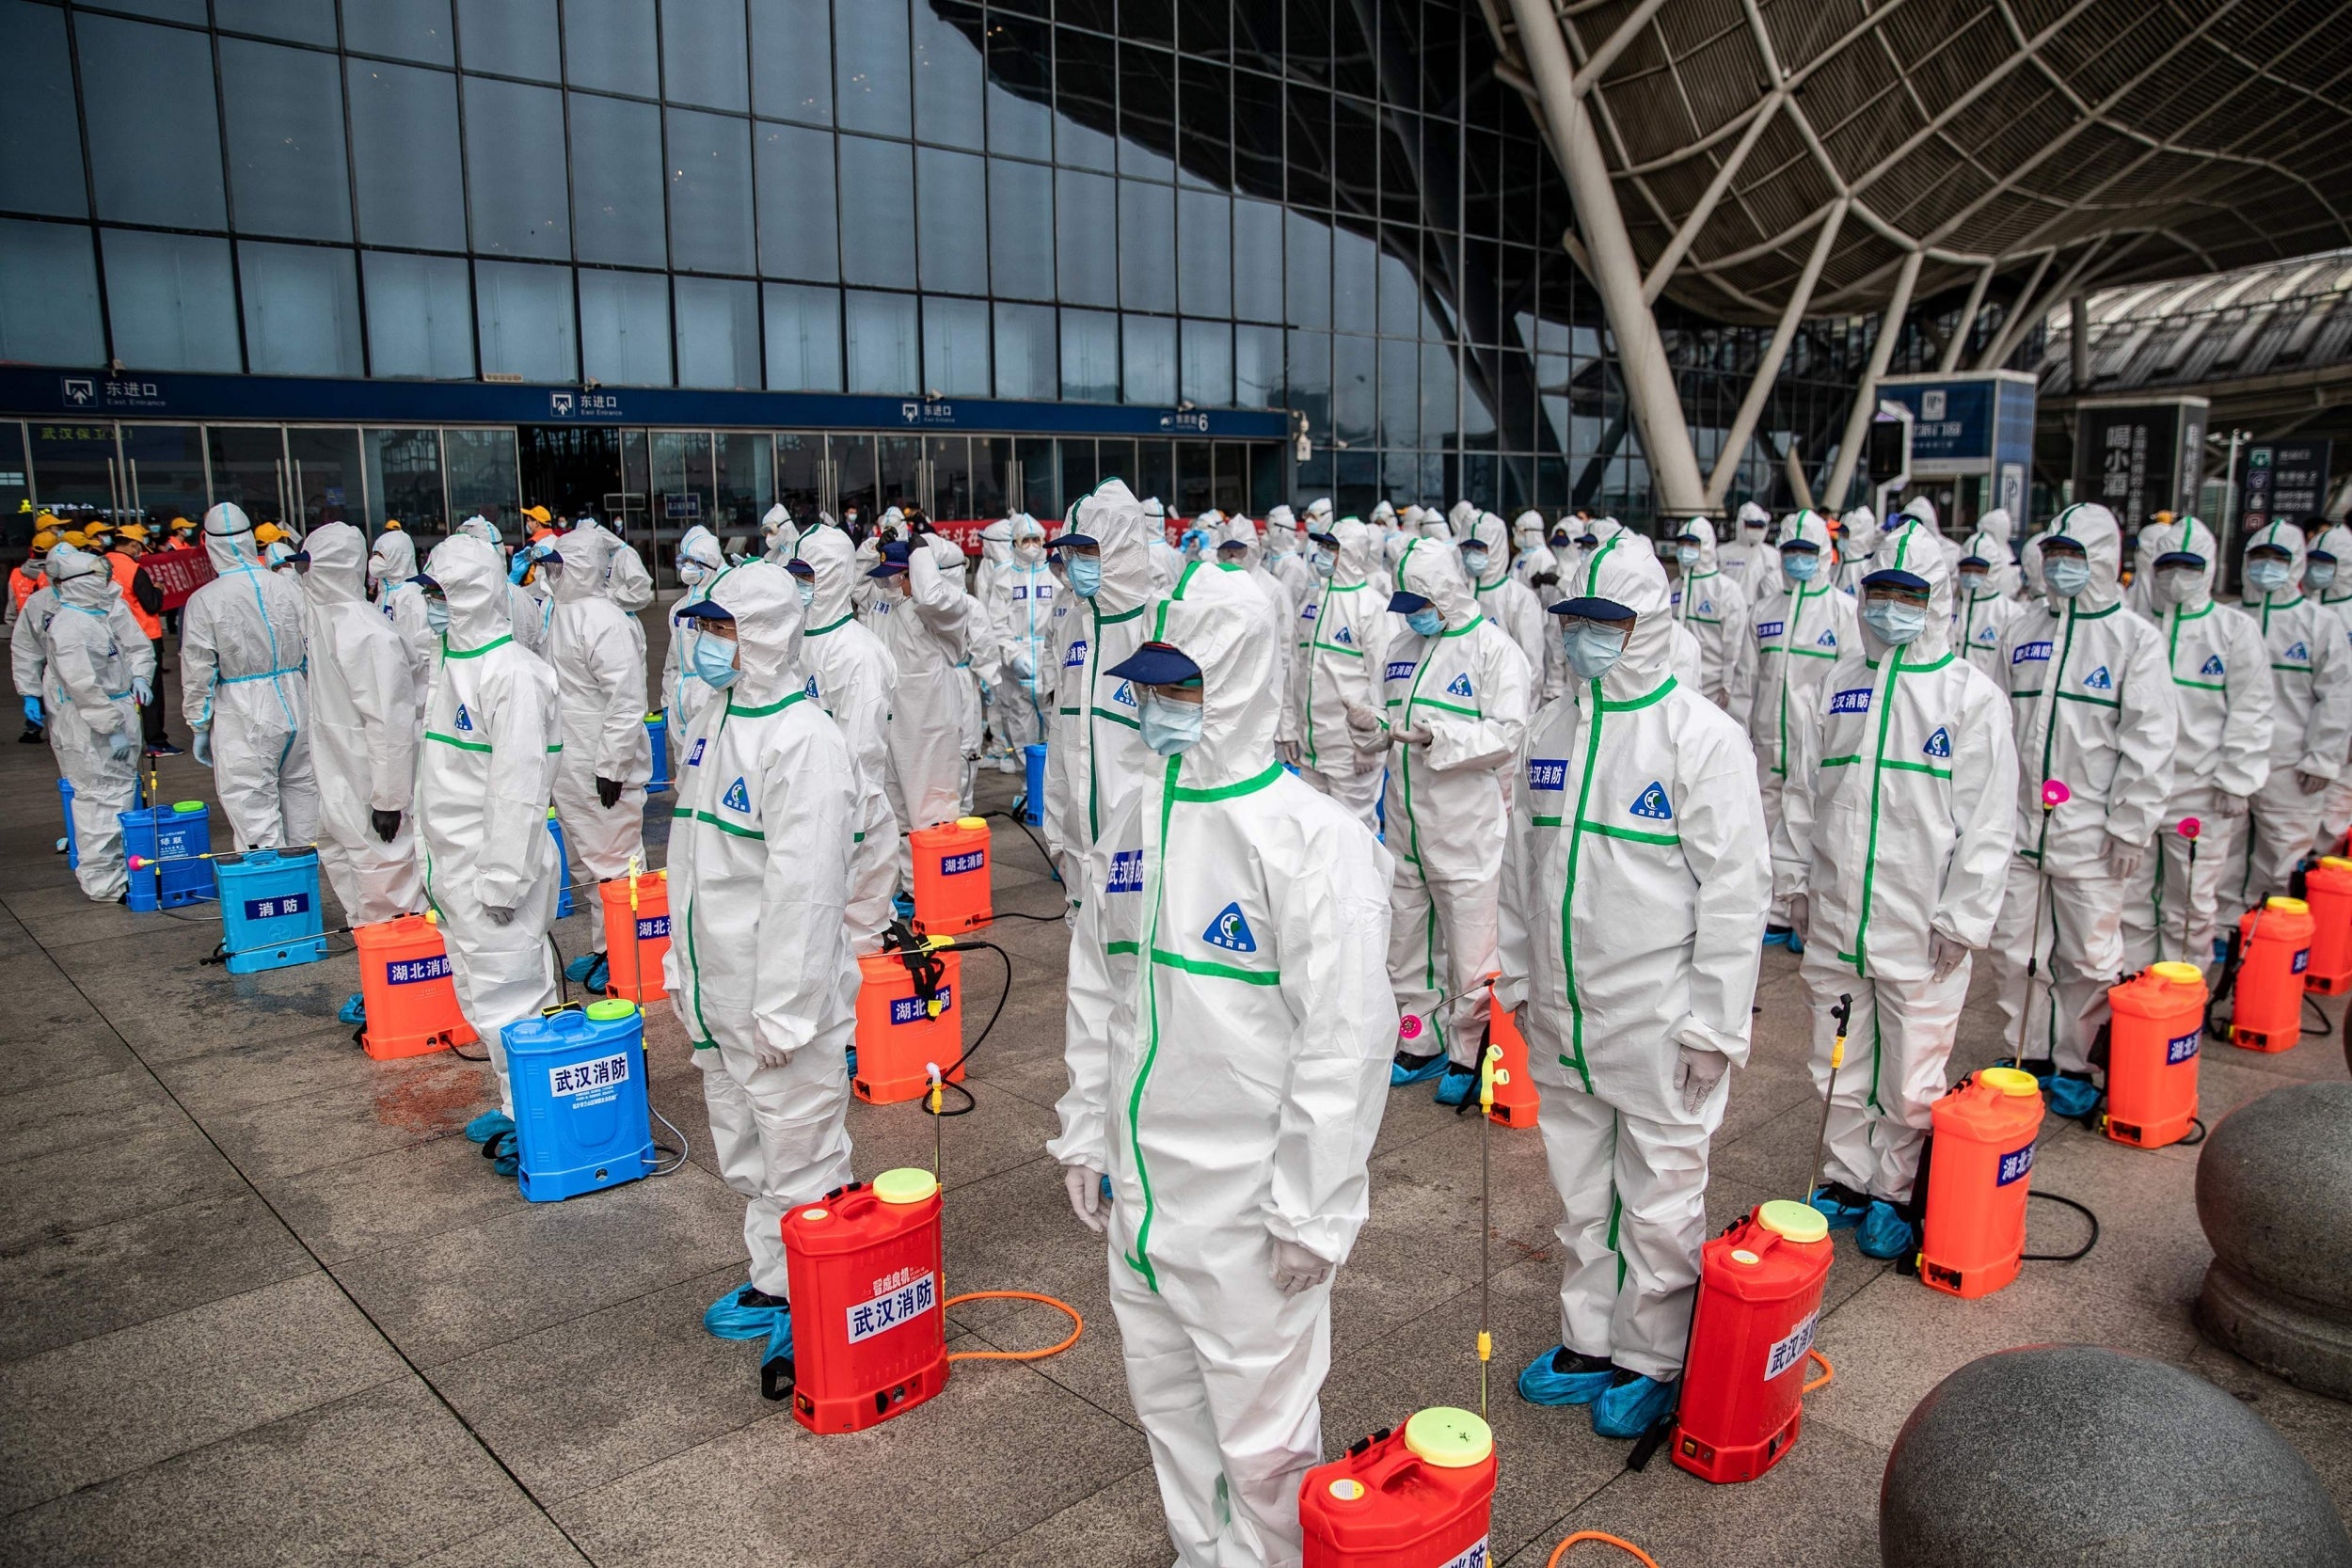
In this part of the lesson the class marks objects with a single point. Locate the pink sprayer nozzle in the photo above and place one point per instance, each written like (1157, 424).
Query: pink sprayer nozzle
(2190, 828)
(2054, 794)
(136, 861)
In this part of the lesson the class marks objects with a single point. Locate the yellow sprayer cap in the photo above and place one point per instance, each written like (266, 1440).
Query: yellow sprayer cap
(2335, 862)
(971, 824)
(1797, 1222)
(1449, 1438)
(1348, 1489)
(1742, 1255)
(2178, 974)
(2007, 1080)
(550, 814)
(2287, 906)
(432, 917)
(907, 1185)
(612, 1008)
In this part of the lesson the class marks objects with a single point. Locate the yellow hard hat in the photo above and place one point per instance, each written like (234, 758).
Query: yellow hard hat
(45, 539)
(538, 513)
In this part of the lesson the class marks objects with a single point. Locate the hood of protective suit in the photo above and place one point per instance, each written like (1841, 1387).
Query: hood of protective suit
(1383, 514)
(1750, 513)
(474, 584)
(394, 558)
(1859, 529)
(2336, 538)
(996, 541)
(697, 544)
(1242, 531)
(1113, 519)
(1431, 568)
(1458, 518)
(766, 611)
(587, 553)
(1281, 525)
(229, 538)
(79, 577)
(1026, 528)
(949, 557)
(1990, 545)
(833, 566)
(2201, 591)
(1358, 548)
(1704, 531)
(2093, 527)
(338, 573)
(776, 523)
(1528, 528)
(2290, 537)
(1918, 551)
(1921, 508)
(1319, 511)
(2182, 533)
(481, 528)
(1225, 623)
(1634, 579)
(1488, 530)
(1811, 527)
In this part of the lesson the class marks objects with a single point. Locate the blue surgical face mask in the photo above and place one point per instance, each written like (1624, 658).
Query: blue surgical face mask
(694, 574)
(2268, 576)
(1326, 563)
(1086, 574)
(1800, 565)
(1895, 622)
(1972, 583)
(807, 587)
(1426, 622)
(2319, 576)
(2066, 575)
(1169, 726)
(1592, 649)
(1687, 555)
(437, 616)
(714, 660)
(1474, 560)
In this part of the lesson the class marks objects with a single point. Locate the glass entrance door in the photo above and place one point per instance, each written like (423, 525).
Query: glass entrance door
(76, 470)
(249, 469)
(325, 481)
(164, 465)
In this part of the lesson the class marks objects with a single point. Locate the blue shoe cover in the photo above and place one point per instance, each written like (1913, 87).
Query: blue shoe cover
(599, 975)
(1456, 1087)
(1543, 1383)
(1796, 944)
(576, 971)
(2221, 950)
(507, 1165)
(1402, 1073)
(902, 905)
(1838, 1214)
(488, 1125)
(1631, 1408)
(354, 1011)
(1884, 1233)
(849, 1057)
(1779, 936)
(1106, 1189)
(2071, 1098)
(728, 1319)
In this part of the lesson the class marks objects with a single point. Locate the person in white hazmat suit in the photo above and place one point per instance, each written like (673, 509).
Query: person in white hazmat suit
(599, 653)
(1634, 888)
(1984, 609)
(527, 617)
(1168, 562)
(392, 572)
(924, 618)
(1746, 553)
(2169, 532)
(1857, 541)
(627, 582)
(1709, 604)
(2327, 578)
(700, 560)
(1339, 655)
(1454, 706)
(1096, 752)
(492, 740)
(2092, 709)
(978, 665)
(852, 677)
(779, 535)
(1892, 857)
(2221, 684)
(1288, 558)
(1228, 1028)
(1236, 540)
(995, 555)
(91, 666)
(2311, 675)
(241, 687)
(366, 718)
(1803, 628)
(1020, 600)
(762, 974)
(1530, 558)
(1503, 598)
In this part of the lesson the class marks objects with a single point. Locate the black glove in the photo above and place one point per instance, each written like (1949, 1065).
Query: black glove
(608, 791)
(387, 824)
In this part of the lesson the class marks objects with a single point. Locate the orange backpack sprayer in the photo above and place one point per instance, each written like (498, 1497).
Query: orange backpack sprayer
(638, 904)
(1515, 1100)
(1977, 1177)
(868, 1329)
(2328, 888)
(404, 982)
(2159, 1026)
(951, 876)
(907, 1018)
(2269, 956)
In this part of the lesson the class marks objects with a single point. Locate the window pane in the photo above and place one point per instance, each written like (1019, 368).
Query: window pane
(870, 65)
(624, 327)
(1147, 245)
(286, 141)
(513, 37)
(301, 309)
(1146, 113)
(1086, 229)
(404, 137)
(1089, 356)
(1309, 271)
(1257, 134)
(1400, 287)
(419, 316)
(955, 346)
(1256, 367)
(155, 148)
(1355, 373)
(796, 204)
(514, 175)
(1078, 471)
(803, 338)
(482, 470)
(717, 332)
(1209, 363)
(1151, 358)
(711, 192)
(526, 326)
(1400, 392)
(1021, 229)
(1026, 360)
(609, 44)
(48, 295)
(881, 342)
(792, 59)
(953, 193)
(42, 170)
(1086, 84)
(702, 53)
(404, 29)
(1354, 266)
(617, 182)
(1020, 87)
(1258, 260)
(1438, 422)
(1205, 147)
(947, 74)
(1155, 468)
(1204, 254)
(878, 223)
(171, 302)
(404, 475)
(1307, 375)
(303, 21)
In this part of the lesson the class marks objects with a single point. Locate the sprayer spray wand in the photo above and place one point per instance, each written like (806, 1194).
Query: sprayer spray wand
(1489, 1075)
(1843, 1013)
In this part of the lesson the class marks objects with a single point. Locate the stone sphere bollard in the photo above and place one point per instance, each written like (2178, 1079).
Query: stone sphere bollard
(2089, 1457)
(2274, 1193)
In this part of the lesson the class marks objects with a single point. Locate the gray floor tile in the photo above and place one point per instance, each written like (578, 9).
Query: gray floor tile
(1118, 1527)
(58, 1193)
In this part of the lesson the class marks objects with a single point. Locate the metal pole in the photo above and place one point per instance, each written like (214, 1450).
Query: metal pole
(1953, 350)
(1767, 368)
(1866, 396)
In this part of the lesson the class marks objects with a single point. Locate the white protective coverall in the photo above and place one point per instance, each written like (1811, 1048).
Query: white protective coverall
(928, 631)
(1020, 598)
(492, 740)
(1531, 558)
(2184, 532)
(1456, 707)
(529, 618)
(1503, 598)
(1895, 828)
(2091, 706)
(1709, 603)
(599, 653)
(1241, 530)
(762, 974)
(390, 566)
(1634, 895)
(1746, 556)
(366, 716)
(996, 554)
(700, 560)
(854, 679)
(1994, 543)
(241, 678)
(1286, 556)
(1227, 1037)
(1097, 749)
(779, 535)
(1339, 657)
(976, 670)
(2335, 817)
(1802, 629)
(1980, 615)
(89, 652)
(2310, 677)
(2221, 684)
(1857, 541)
(1168, 562)
(627, 582)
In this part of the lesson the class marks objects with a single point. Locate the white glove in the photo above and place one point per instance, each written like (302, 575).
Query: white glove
(1944, 955)
(1416, 736)
(1371, 762)
(2310, 784)
(1024, 667)
(143, 690)
(203, 747)
(1697, 1073)
(1801, 916)
(1295, 1269)
(1085, 1185)
(1363, 719)
(499, 916)
(120, 745)
(2228, 807)
(2125, 859)
(1287, 750)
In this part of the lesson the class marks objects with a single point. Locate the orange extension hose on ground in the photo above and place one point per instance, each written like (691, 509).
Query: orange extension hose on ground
(1077, 1326)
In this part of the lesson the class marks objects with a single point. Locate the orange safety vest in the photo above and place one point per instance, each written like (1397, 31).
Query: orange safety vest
(124, 569)
(21, 587)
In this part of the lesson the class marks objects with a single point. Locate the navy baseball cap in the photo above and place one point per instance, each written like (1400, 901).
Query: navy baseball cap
(1592, 610)
(1908, 581)
(1405, 604)
(703, 609)
(2186, 558)
(1157, 664)
(1063, 541)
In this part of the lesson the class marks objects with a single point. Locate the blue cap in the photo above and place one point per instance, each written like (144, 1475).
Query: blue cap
(800, 569)
(702, 609)
(1405, 604)
(2328, 556)
(1156, 664)
(2186, 558)
(1592, 610)
(893, 559)
(1968, 561)
(423, 581)
(1910, 581)
(1063, 539)
(1802, 546)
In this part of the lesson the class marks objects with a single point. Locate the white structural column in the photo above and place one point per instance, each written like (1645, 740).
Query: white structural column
(1767, 368)
(1641, 354)
(1958, 344)
(1866, 396)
